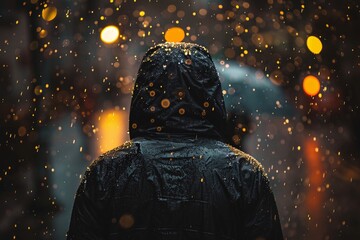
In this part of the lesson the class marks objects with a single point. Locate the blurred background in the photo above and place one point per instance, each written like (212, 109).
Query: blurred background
(290, 75)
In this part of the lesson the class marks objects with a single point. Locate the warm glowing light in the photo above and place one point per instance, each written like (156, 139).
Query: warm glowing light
(38, 90)
(109, 34)
(49, 13)
(112, 129)
(174, 34)
(22, 131)
(315, 194)
(314, 44)
(126, 221)
(311, 85)
(142, 13)
(42, 33)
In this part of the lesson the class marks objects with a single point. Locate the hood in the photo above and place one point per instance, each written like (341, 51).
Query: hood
(177, 93)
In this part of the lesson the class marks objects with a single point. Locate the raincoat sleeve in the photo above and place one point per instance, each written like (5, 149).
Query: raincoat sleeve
(262, 218)
(87, 218)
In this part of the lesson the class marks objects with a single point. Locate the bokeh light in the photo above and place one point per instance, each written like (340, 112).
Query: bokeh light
(110, 34)
(111, 129)
(311, 85)
(174, 34)
(49, 13)
(314, 44)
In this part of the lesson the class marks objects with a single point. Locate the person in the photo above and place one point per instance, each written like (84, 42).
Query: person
(176, 178)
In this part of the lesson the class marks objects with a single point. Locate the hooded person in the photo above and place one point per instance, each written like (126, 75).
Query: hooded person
(176, 178)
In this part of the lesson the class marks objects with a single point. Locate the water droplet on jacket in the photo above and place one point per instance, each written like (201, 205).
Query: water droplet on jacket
(165, 103)
(126, 221)
(171, 75)
(181, 94)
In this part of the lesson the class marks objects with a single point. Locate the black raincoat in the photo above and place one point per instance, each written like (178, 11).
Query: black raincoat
(176, 178)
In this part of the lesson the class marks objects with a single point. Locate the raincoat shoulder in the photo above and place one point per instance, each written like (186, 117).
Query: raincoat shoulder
(89, 215)
(260, 213)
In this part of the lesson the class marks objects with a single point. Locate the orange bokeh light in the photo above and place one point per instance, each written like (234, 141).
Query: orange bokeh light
(174, 34)
(112, 129)
(49, 13)
(311, 85)
(315, 194)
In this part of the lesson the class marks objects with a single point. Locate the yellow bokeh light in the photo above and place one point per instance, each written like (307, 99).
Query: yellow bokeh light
(49, 13)
(314, 44)
(174, 34)
(110, 34)
(112, 129)
(142, 13)
(311, 85)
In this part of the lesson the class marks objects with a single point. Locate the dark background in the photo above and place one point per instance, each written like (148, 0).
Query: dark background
(62, 88)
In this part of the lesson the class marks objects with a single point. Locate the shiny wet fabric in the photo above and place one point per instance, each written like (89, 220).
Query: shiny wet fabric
(176, 178)
(177, 93)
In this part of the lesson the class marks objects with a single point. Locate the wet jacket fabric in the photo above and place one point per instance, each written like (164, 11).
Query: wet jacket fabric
(176, 178)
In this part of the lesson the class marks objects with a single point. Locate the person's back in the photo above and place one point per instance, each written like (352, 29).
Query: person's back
(176, 178)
